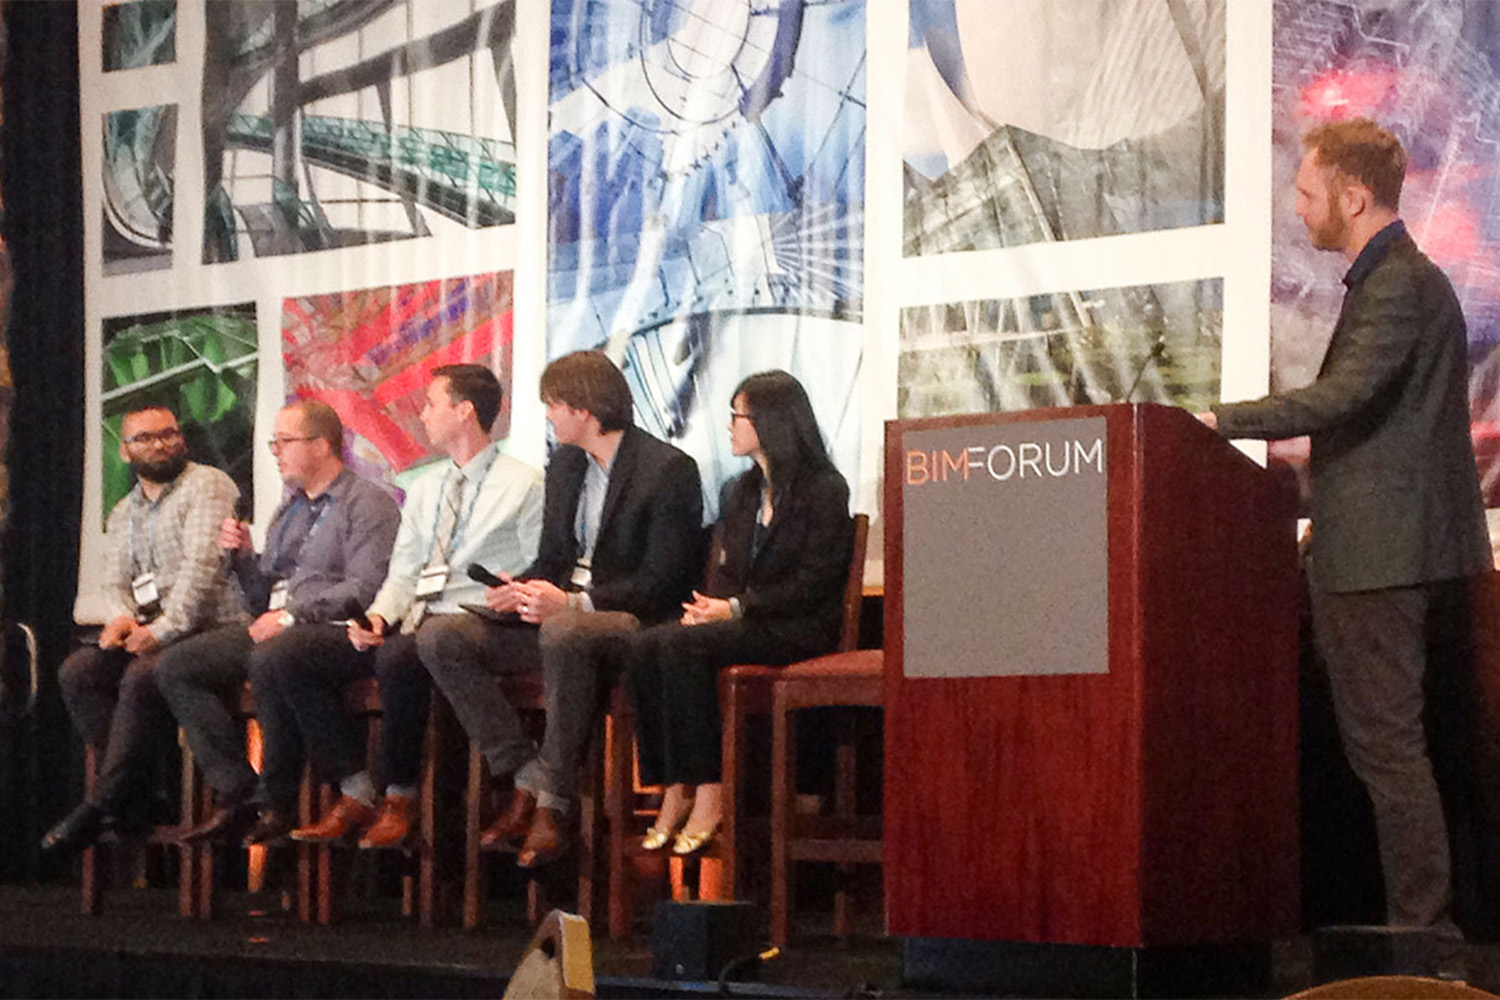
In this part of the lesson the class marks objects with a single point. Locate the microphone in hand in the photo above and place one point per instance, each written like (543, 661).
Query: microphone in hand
(479, 574)
(356, 614)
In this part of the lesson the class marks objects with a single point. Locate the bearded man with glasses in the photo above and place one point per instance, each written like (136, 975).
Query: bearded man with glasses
(162, 582)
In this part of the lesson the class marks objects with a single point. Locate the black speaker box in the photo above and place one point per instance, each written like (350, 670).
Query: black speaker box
(696, 940)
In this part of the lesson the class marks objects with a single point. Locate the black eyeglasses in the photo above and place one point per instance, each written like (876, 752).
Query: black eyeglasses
(144, 438)
(738, 415)
(277, 443)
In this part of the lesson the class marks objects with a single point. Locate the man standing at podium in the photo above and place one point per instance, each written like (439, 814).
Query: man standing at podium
(1397, 513)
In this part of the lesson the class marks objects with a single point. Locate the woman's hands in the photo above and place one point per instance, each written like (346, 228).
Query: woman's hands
(701, 610)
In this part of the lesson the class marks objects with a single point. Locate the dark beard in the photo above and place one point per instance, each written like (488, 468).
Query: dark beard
(163, 471)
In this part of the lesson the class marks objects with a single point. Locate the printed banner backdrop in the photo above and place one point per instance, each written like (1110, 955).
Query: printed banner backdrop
(1029, 205)
(330, 125)
(349, 171)
(139, 33)
(706, 219)
(1031, 121)
(1152, 343)
(1431, 73)
(202, 363)
(369, 354)
(139, 146)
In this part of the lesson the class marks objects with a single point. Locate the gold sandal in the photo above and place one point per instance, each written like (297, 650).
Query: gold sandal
(658, 837)
(691, 843)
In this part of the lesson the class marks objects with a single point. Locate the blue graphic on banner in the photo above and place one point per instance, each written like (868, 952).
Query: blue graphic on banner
(706, 206)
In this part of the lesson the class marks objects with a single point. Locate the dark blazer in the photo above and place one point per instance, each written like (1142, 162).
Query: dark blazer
(1395, 492)
(650, 547)
(794, 587)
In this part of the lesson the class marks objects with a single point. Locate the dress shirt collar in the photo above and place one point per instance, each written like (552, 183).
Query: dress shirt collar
(476, 467)
(1372, 253)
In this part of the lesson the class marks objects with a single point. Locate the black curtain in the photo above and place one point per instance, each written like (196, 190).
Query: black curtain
(41, 180)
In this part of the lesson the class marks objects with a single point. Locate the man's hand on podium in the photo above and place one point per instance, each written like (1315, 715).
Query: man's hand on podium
(1209, 418)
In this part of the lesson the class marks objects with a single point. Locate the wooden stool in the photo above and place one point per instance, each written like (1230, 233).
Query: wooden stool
(839, 680)
(526, 694)
(189, 867)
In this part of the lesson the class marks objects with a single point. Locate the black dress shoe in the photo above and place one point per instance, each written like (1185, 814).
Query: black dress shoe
(79, 829)
(228, 823)
(273, 825)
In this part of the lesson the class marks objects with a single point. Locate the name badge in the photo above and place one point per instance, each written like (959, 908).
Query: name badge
(432, 581)
(278, 596)
(143, 589)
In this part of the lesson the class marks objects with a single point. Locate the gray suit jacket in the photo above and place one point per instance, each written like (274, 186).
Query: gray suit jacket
(1395, 492)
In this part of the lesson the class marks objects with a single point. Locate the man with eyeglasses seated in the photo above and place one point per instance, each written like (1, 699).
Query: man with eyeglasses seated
(326, 554)
(162, 582)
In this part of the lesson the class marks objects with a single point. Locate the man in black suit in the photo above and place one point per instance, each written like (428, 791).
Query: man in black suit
(621, 546)
(1397, 513)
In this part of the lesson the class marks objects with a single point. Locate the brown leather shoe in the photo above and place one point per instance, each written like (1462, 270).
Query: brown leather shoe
(395, 826)
(228, 822)
(512, 826)
(548, 840)
(347, 817)
(273, 825)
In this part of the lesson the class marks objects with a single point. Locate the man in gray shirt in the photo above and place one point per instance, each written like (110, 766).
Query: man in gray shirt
(326, 553)
(162, 582)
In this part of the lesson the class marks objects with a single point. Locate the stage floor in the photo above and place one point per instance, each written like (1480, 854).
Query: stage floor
(138, 947)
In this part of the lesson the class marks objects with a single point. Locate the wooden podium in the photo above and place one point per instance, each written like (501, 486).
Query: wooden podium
(1094, 749)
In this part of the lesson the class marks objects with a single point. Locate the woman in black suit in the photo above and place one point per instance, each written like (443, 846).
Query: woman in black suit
(781, 559)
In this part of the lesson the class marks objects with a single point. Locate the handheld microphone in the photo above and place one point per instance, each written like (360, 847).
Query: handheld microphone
(1157, 347)
(479, 574)
(356, 614)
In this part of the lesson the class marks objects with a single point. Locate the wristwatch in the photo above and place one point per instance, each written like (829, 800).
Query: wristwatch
(286, 619)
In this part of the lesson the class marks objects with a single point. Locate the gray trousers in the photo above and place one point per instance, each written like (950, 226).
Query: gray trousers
(579, 653)
(1374, 643)
(201, 677)
(116, 707)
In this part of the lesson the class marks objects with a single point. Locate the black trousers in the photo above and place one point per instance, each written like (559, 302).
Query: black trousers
(673, 675)
(405, 699)
(298, 679)
(115, 705)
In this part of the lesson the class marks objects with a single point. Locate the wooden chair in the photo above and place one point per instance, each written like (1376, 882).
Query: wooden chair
(525, 692)
(189, 867)
(420, 884)
(844, 680)
(752, 690)
(744, 691)
(314, 895)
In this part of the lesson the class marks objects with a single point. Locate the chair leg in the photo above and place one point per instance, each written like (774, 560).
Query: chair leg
(590, 826)
(844, 806)
(735, 721)
(426, 837)
(324, 854)
(189, 871)
(783, 791)
(616, 805)
(306, 889)
(473, 859)
(89, 903)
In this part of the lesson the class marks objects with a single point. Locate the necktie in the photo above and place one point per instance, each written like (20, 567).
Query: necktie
(442, 541)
